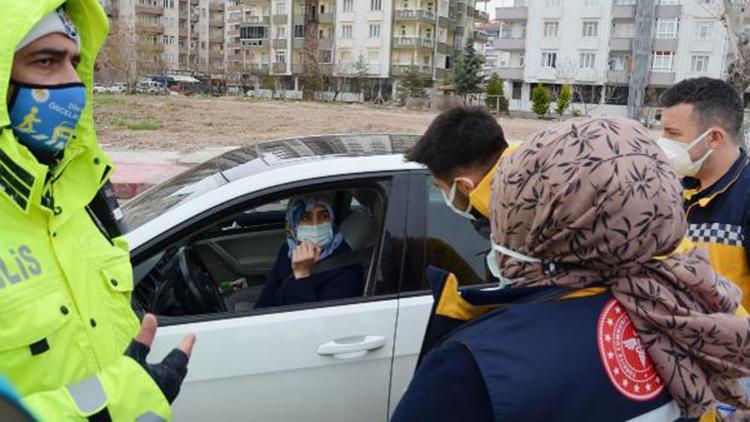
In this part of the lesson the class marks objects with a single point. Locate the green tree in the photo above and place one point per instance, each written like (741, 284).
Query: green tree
(360, 68)
(412, 84)
(540, 99)
(495, 95)
(563, 100)
(467, 71)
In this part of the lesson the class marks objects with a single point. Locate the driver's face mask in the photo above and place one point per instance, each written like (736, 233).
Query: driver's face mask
(319, 234)
(497, 272)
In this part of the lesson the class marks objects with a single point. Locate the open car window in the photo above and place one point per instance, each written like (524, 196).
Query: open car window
(241, 263)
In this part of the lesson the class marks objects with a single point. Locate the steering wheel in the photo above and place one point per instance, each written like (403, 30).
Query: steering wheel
(202, 296)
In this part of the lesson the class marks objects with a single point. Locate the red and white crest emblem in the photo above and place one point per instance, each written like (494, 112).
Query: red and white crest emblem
(625, 359)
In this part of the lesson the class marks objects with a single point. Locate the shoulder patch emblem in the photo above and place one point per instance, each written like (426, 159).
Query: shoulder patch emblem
(625, 360)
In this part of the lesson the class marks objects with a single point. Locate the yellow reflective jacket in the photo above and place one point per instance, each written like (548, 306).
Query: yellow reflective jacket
(65, 287)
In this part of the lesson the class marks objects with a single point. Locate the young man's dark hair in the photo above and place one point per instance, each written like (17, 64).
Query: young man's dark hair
(460, 148)
(715, 103)
(458, 138)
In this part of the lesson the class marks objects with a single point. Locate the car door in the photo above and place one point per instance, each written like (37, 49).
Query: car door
(441, 238)
(312, 362)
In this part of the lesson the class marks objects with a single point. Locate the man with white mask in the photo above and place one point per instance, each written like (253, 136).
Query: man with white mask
(702, 120)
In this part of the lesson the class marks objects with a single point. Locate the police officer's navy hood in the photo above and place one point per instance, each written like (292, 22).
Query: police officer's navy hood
(83, 168)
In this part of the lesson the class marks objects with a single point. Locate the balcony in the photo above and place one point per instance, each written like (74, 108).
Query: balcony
(444, 48)
(216, 22)
(149, 10)
(194, 35)
(150, 48)
(255, 21)
(279, 68)
(621, 44)
(259, 68)
(668, 11)
(510, 73)
(618, 77)
(216, 6)
(195, 3)
(232, 34)
(480, 36)
(443, 21)
(481, 17)
(256, 44)
(661, 79)
(510, 43)
(216, 56)
(325, 43)
(325, 18)
(280, 19)
(194, 18)
(149, 28)
(279, 43)
(512, 13)
(623, 12)
(415, 15)
(666, 44)
(412, 42)
(216, 39)
(402, 69)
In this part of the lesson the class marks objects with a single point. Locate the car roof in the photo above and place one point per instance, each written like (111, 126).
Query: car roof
(248, 169)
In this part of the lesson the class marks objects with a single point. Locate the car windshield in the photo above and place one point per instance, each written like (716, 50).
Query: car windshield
(187, 185)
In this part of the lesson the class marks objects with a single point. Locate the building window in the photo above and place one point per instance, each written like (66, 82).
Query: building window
(280, 56)
(346, 31)
(590, 29)
(348, 5)
(299, 31)
(588, 60)
(667, 28)
(517, 87)
(522, 60)
(376, 5)
(374, 30)
(549, 59)
(281, 8)
(618, 61)
(254, 32)
(699, 64)
(326, 56)
(662, 61)
(551, 29)
(704, 30)
(281, 32)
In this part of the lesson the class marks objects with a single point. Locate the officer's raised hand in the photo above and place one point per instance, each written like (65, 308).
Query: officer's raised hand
(170, 373)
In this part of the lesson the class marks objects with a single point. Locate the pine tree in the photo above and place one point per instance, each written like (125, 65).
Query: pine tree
(563, 100)
(540, 99)
(412, 84)
(467, 71)
(495, 95)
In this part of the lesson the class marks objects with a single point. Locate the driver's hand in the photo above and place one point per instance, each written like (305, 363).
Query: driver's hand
(170, 373)
(304, 257)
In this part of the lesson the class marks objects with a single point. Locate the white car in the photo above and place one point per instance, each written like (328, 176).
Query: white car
(204, 242)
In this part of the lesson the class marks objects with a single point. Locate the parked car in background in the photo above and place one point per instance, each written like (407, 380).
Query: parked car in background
(203, 243)
(117, 88)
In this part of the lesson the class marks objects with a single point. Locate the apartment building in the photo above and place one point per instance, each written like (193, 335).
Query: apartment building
(380, 39)
(163, 36)
(590, 45)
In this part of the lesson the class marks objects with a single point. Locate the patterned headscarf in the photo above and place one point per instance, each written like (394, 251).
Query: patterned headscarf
(597, 198)
(297, 209)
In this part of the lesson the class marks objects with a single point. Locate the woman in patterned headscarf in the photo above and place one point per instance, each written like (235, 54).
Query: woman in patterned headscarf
(589, 208)
(312, 237)
(597, 199)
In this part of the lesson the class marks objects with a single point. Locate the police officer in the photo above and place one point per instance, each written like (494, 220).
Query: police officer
(702, 121)
(66, 326)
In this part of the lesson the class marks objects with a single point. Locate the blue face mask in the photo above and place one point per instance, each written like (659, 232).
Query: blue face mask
(44, 118)
(319, 234)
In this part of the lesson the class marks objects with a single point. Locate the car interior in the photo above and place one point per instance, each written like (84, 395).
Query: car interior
(223, 268)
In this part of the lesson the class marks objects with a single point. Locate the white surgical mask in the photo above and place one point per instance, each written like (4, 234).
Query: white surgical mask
(452, 197)
(319, 234)
(495, 269)
(679, 155)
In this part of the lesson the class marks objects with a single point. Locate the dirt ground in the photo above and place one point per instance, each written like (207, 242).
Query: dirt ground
(192, 123)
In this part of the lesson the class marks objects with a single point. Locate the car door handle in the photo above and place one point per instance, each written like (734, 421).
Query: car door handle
(351, 347)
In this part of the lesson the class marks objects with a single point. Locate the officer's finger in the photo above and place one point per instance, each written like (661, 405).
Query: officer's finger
(186, 345)
(148, 330)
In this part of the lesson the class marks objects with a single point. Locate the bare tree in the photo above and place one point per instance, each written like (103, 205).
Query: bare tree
(117, 61)
(587, 95)
(310, 68)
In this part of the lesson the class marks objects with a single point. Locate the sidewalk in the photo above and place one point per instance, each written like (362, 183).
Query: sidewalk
(138, 170)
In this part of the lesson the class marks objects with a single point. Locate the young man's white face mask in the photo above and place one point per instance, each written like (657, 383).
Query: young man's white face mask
(679, 155)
